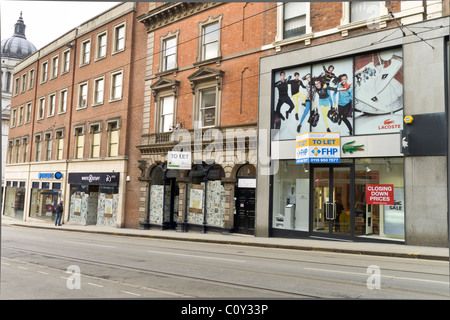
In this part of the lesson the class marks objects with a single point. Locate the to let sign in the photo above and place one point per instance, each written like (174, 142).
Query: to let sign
(318, 147)
(179, 160)
(380, 194)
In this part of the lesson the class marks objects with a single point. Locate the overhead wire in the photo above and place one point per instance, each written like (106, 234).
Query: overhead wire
(340, 53)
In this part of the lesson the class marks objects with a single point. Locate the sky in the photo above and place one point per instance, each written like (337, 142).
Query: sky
(48, 20)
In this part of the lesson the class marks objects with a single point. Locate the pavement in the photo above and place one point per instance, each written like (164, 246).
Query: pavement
(363, 248)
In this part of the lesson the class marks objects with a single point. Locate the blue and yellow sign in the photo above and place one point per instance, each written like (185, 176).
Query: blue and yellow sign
(318, 147)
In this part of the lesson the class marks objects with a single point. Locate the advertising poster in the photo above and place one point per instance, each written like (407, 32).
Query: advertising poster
(382, 194)
(290, 102)
(379, 92)
(332, 97)
(315, 98)
(196, 199)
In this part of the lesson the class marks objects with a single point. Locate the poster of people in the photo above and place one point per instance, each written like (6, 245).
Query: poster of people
(355, 95)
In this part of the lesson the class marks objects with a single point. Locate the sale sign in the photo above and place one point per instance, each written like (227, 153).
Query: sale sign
(380, 194)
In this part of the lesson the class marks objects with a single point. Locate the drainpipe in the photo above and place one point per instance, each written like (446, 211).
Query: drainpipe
(66, 197)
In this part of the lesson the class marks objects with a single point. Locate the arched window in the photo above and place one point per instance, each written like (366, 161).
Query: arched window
(206, 191)
(156, 200)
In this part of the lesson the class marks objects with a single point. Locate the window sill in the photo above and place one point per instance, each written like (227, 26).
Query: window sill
(173, 71)
(217, 60)
(373, 23)
(305, 37)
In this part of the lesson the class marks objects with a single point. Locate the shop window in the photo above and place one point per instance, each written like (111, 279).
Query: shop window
(43, 201)
(291, 196)
(156, 201)
(83, 204)
(108, 204)
(386, 178)
(14, 201)
(206, 192)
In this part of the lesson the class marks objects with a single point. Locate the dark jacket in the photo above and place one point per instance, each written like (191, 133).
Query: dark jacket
(59, 208)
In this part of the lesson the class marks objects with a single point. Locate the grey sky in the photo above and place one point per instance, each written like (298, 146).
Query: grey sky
(48, 20)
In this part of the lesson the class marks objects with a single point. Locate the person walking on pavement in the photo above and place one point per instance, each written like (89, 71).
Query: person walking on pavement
(59, 211)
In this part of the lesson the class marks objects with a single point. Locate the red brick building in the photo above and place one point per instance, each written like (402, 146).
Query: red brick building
(202, 84)
(73, 134)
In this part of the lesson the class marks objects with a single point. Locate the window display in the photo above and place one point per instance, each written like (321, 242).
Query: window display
(291, 196)
(14, 202)
(44, 201)
(379, 220)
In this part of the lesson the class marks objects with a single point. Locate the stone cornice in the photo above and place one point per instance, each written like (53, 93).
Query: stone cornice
(172, 12)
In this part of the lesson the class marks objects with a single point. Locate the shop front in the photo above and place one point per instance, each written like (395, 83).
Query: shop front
(94, 198)
(14, 201)
(45, 196)
(357, 199)
(336, 168)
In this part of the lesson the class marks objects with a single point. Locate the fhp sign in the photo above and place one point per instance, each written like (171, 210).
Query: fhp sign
(318, 147)
(380, 194)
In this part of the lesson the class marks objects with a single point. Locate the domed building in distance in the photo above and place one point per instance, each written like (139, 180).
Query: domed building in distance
(13, 50)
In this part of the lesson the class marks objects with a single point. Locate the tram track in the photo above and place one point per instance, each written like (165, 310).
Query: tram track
(159, 273)
(353, 270)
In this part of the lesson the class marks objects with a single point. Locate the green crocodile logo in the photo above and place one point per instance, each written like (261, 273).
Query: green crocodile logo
(349, 147)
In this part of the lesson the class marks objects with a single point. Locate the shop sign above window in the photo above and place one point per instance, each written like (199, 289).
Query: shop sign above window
(98, 178)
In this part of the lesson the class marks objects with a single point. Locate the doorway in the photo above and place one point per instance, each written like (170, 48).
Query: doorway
(245, 196)
(332, 192)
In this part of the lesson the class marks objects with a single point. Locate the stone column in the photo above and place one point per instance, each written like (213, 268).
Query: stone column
(182, 198)
(229, 185)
